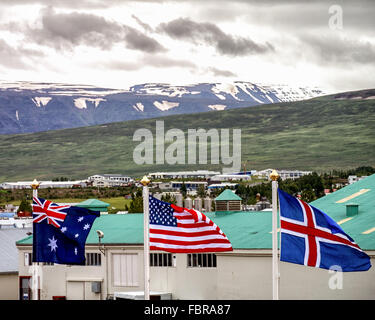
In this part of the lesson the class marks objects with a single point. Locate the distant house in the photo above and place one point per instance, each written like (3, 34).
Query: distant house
(231, 177)
(284, 174)
(43, 184)
(352, 179)
(228, 201)
(109, 180)
(94, 204)
(203, 174)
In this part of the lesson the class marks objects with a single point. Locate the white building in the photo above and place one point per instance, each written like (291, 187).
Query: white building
(204, 174)
(284, 174)
(109, 180)
(231, 177)
(43, 184)
(353, 179)
(116, 266)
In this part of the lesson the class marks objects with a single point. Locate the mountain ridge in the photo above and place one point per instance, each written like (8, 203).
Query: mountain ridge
(319, 134)
(27, 107)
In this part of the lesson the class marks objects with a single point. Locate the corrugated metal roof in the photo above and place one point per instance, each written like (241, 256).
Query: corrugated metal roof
(8, 249)
(361, 193)
(252, 230)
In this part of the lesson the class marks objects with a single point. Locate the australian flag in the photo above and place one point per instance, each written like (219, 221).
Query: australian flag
(310, 237)
(60, 232)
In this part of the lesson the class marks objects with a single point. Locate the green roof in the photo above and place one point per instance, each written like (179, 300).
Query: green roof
(252, 230)
(92, 203)
(227, 195)
(361, 193)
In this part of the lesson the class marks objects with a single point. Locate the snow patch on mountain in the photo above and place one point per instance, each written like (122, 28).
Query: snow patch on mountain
(166, 105)
(227, 88)
(80, 103)
(41, 101)
(139, 107)
(217, 106)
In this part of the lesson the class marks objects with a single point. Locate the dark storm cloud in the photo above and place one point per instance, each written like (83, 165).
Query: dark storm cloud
(18, 57)
(337, 49)
(66, 30)
(210, 34)
(148, 60)
(221, 73)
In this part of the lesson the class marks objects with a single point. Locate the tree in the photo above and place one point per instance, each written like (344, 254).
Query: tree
(136, 205)
(201, 191)
(183, 189)
(168, 198)
(24, 206)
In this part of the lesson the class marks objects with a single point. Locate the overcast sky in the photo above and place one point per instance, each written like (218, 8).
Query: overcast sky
(119, 43)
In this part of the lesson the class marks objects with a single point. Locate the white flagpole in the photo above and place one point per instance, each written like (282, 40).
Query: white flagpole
(36, 268)
(146, 224)
(275, 261)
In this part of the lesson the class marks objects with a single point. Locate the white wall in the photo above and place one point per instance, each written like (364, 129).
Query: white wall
(242, 274)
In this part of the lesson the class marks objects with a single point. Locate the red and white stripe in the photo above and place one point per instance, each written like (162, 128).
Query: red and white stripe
(194, 233)
(313, 234)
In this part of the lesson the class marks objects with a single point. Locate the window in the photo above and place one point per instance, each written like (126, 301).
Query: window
(160, 260)
(201, 260)
(28, 258)
(93, 259)
(125, 269)
(24, 288)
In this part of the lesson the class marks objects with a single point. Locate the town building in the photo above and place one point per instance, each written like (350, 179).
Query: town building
(109, 180)
(43, 184)
(176, 185)
(228, 201)
(284, 174)
(231, 177)
(202, 174)
(94, 204)
(10, 282)
(354, 178)
(114, 267)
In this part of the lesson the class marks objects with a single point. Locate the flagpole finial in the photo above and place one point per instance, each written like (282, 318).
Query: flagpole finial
(145, 181)
(274, 175)
(35, 184)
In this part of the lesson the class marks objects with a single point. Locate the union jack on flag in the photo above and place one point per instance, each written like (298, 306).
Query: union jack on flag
(45, 209)
(60, 232)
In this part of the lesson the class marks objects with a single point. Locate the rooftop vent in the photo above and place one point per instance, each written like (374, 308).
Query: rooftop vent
(352, 209)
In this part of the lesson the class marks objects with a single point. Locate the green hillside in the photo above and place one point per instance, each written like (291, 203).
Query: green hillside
(319, 134)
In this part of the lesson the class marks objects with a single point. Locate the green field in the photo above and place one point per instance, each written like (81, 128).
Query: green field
(319, 134)
(116, 203)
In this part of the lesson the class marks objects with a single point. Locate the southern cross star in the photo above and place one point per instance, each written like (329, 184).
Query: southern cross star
(52, 244)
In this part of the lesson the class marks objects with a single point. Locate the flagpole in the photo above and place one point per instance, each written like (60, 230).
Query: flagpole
(35, 273)
(275, 262)
(146, 226)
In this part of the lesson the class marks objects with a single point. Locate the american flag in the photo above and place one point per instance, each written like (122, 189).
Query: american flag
(180, 230)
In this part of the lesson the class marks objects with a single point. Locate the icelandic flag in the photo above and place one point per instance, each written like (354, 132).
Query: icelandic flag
(60, 232)
(311, 238)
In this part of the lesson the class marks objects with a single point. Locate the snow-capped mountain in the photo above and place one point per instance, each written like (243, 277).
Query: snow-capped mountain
(32, 107)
